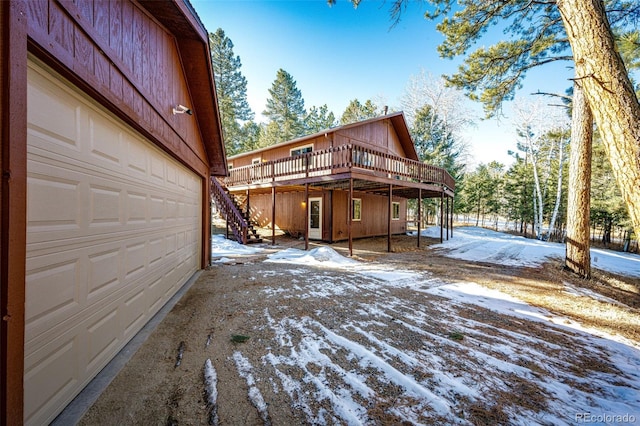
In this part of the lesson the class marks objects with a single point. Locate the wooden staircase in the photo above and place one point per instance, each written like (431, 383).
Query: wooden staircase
(238, 220)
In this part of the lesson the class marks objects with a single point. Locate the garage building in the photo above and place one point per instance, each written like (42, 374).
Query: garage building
(110, 133)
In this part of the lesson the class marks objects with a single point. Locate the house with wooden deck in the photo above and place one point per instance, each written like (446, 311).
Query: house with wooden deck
(110, 135)
(343, 183)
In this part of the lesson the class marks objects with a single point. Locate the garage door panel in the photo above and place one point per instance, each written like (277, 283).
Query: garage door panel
(136, 207)
(105, 273)
(134, 312)
(135, 260)
(136, 158)
(49, 214)
(50, 375)
(60, 282)
(110, 223)
(103, 334)
(105, 141)
(155, 293)
(158, 168)
(156, 252)
(105, 208)
(56, 119)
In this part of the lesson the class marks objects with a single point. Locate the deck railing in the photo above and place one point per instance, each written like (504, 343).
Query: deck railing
(336, 160)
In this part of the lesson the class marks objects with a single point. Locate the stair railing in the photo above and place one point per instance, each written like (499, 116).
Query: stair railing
(235, 220)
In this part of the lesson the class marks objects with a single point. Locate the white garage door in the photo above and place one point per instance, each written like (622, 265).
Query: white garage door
(114, 230)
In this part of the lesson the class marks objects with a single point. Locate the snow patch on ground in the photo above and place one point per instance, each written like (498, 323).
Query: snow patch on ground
(245, 370)
(221, 246)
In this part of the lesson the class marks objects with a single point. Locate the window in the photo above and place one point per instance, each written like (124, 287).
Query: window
(257, 160)
(301, 150)
(356, 209)
(395, 211)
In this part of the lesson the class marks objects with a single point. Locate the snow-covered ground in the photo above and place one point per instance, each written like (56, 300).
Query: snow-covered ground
(429, 375)
(485, 245)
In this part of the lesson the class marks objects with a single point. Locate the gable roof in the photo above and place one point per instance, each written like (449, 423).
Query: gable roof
(396, 119)
(192, 38)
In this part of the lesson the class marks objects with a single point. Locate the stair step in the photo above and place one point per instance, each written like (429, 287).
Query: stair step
(223, 198)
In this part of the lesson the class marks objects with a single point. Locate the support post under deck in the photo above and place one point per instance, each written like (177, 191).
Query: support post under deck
(350, 217)
(389, 217)
(419, 214)
(273, 216)
(441, 214)
(306, 216)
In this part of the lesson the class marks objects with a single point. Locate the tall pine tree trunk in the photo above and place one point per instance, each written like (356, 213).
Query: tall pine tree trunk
(602, 75)
(578, 257)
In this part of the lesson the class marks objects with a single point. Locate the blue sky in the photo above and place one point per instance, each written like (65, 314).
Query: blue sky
(340, 53)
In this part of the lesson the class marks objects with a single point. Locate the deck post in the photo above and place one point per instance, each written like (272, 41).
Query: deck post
(273, 215)
(419, 214)
(306, 216)
(245, 232)
(452, 199)
(447, 218)
(248, 206)
(441, 214)
(390, 215)
(350, 216)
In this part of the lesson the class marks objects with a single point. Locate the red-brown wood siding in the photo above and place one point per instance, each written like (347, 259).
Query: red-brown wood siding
(120, 54)
(13, 146)
(290, 214)
(290, 210)
(380, 135)
(282, 151)
(374, 216)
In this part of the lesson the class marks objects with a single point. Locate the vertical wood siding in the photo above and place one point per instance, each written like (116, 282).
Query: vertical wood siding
(374, 216)
(125, 56)
(379, 135)
(290, 214)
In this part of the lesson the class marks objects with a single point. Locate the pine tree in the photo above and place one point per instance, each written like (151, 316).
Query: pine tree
(629, 44)
(607, 206)
(285, 110)
(435, 142)
(356, 111)
(578, 253)
(517, 189)
(483, 191)
(250, 137)
(231, 89)
(319, 119)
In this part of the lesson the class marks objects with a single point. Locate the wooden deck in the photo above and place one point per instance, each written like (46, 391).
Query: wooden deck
(371, 170)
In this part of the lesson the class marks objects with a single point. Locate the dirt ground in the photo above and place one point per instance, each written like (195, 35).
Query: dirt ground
(236, 299)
